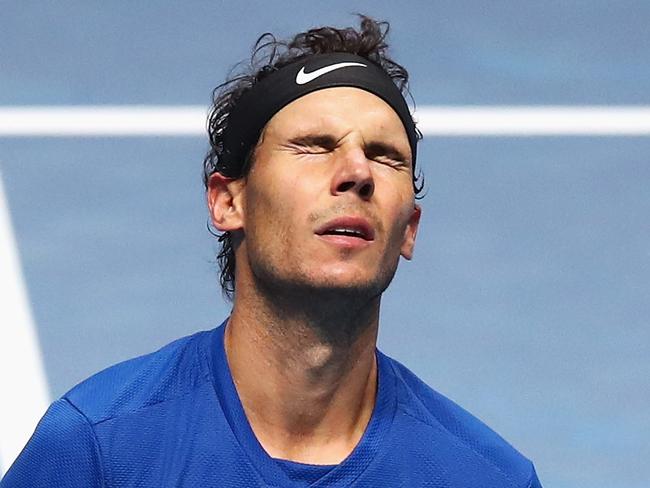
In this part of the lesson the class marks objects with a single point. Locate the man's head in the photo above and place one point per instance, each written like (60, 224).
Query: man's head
(314, 145)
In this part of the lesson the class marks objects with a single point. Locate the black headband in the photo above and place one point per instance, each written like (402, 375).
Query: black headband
(256, 107)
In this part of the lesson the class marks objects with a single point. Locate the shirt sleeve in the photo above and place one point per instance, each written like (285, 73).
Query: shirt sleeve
(534, 480)
(62, 452)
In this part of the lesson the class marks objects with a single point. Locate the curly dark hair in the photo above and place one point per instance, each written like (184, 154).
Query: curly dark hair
(269, 55)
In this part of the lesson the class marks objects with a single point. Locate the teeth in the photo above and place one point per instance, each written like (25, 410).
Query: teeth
(347, 232)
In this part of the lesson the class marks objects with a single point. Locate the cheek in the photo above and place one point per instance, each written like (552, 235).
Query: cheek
(270, 214)
(400, 218)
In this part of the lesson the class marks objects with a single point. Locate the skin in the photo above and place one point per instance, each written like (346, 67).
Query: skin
(306, 307)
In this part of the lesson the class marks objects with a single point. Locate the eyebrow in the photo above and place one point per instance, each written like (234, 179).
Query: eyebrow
(372, 149)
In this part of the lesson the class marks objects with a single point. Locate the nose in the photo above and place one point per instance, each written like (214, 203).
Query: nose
(353, 174)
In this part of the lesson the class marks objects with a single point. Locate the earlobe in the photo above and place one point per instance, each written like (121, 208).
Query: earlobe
(411, 232)
(225, 202)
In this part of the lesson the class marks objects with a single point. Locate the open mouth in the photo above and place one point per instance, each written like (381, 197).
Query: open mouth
(345, 232)
(353, 227)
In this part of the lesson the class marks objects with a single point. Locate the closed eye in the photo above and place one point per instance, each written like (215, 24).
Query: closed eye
(318, 144)
(387, 154)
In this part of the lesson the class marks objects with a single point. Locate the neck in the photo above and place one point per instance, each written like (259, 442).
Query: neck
(306, 378)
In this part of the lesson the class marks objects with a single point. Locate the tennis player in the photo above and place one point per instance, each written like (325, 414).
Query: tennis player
(311, 186)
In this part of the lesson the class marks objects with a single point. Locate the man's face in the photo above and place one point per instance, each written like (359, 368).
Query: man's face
(329, 201)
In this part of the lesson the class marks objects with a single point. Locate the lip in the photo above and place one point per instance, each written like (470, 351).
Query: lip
(358, 224)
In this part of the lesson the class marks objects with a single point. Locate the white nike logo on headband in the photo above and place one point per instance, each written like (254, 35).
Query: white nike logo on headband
(302, 77)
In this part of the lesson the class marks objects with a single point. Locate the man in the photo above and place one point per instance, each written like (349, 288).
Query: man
(311, 185)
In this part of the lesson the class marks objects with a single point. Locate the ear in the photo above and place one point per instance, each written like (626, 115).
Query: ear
(411, 231)
(225, 202)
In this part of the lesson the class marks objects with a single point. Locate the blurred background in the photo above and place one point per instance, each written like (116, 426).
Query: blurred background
(528, 300)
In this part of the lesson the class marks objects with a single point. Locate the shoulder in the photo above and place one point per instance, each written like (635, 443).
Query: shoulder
(171, 372)
(69, 448)
(426, 406)
(62, 452)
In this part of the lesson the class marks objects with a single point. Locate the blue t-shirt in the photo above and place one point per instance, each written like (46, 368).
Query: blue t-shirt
(173, 419)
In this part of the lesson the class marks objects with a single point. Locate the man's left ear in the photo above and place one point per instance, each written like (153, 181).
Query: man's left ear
(411, 231)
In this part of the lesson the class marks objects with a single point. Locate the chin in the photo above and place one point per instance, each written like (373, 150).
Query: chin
(350, 281)
(342, 275)
(329, 280)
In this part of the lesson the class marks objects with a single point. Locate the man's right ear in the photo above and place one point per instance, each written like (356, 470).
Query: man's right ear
(226, 202)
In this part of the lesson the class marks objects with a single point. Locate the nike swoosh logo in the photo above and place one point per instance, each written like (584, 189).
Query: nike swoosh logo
(302, 77)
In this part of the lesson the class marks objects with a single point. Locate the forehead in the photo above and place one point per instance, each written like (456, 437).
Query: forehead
(344, 108)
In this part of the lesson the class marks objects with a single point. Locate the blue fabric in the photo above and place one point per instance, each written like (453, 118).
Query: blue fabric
(173, 418)
(303, 475)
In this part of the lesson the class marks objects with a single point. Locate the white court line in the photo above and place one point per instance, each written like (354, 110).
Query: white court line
(451, 121)
(103, 120)
(24, 389)
(535, 121)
